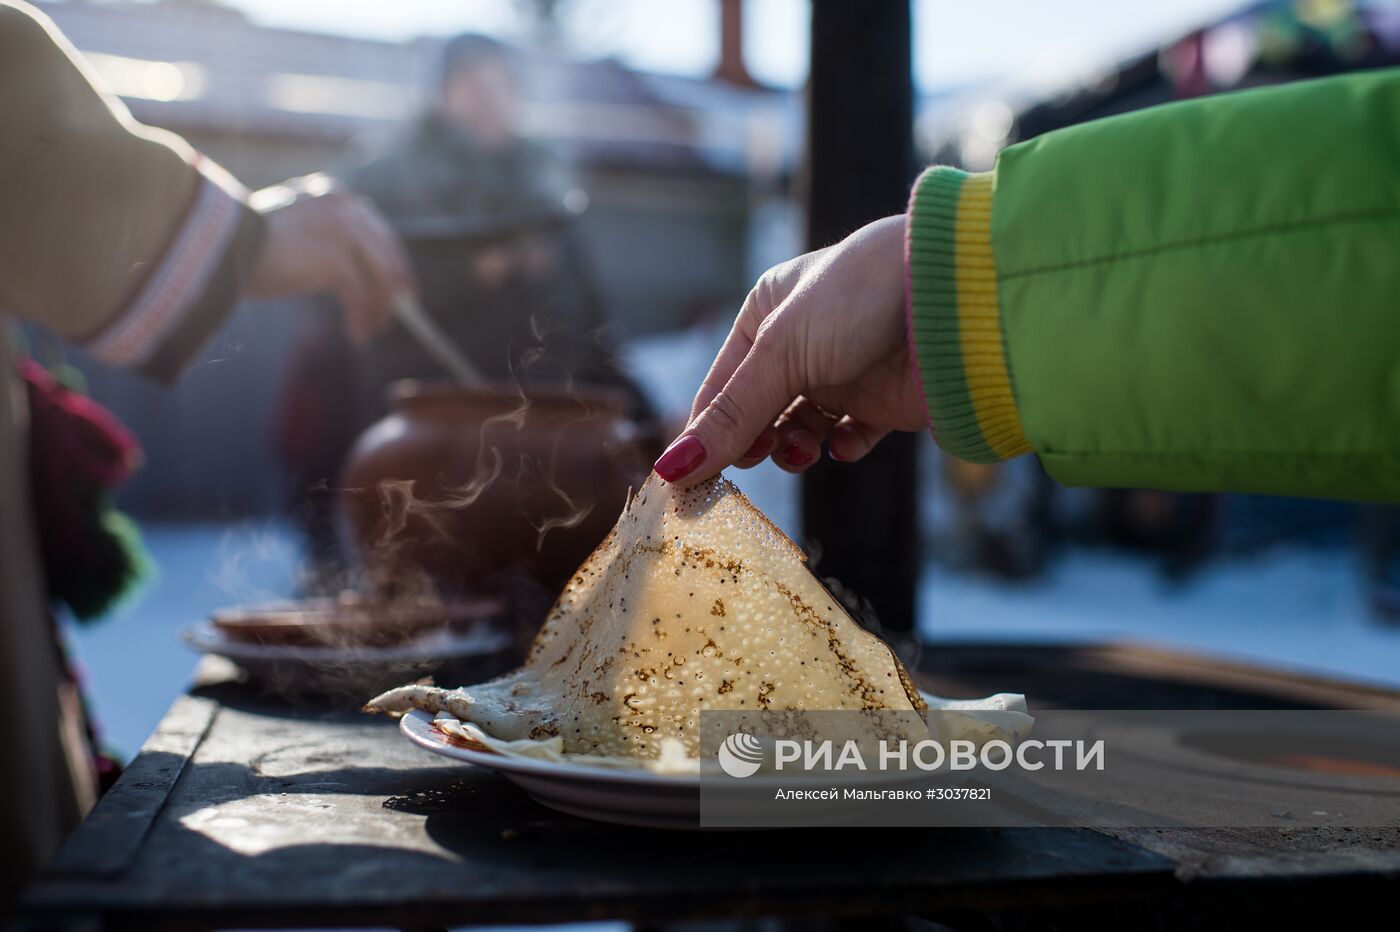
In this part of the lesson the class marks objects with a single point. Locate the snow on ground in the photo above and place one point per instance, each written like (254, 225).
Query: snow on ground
(133, 663)
(1300, 608)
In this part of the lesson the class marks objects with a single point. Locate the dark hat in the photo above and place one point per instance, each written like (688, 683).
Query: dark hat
(469, 49)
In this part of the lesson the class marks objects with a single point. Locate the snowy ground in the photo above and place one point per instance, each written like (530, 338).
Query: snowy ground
(133, 662)
(1300, 608)
(1303, 609)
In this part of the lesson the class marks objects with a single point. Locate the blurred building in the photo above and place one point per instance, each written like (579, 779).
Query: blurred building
(687, 182)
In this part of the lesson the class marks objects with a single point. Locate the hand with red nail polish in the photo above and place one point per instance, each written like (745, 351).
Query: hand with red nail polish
(758, 451)
(680, 458)
(794, 457)
(818, 354)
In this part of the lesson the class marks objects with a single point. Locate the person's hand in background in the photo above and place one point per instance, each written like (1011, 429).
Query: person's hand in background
(817, 354)
(322, 237)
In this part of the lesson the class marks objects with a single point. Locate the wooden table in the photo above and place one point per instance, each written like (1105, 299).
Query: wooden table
(242, 811)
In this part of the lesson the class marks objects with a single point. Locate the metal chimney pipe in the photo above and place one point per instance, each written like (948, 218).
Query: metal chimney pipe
(731, 68)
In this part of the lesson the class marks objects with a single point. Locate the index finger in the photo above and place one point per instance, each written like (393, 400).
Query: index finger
(767, 295)
(731, 354)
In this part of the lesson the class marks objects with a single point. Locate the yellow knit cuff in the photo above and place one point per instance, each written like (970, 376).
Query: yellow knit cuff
(955, 316)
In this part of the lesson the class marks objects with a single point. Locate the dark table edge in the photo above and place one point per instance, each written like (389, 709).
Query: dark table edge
(107, 841)
(1153, 878)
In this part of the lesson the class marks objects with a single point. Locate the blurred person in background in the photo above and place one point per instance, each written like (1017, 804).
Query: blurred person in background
(124, 240)
(488, 216)
(464, 166)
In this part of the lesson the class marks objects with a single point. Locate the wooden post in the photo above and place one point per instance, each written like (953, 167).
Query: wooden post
(860, 150)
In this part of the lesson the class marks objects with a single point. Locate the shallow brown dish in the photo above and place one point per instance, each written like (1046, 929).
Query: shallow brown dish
(349, 622)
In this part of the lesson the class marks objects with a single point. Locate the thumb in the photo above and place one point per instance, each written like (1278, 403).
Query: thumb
(759, 390)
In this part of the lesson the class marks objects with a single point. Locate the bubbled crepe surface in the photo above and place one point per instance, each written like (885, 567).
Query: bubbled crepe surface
(694, 602)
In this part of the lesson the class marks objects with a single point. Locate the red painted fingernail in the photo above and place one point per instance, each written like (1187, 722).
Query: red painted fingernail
(794, 455)
(761, 448)
(680, 458)
(838, 439)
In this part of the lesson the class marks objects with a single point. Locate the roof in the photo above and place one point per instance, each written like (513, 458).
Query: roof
(199, 65)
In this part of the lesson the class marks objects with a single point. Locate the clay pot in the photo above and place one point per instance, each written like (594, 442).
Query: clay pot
(476, 491)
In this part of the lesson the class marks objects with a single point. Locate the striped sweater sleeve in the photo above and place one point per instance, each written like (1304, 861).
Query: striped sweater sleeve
(954, 317)
(192, 286)
(113, 235)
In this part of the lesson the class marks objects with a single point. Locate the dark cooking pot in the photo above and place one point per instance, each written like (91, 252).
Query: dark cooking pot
(469, 490)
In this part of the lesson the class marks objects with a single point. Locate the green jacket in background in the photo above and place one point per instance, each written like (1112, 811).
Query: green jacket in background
(1200, 296)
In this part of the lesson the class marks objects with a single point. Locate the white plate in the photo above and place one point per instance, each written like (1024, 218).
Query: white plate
(625, 797)
(638, 797)
(479, 652)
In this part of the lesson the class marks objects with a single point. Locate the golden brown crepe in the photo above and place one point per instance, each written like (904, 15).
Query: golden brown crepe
(694, 602)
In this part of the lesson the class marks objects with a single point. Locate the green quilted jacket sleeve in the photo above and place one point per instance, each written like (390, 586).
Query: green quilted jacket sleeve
(1200, 296)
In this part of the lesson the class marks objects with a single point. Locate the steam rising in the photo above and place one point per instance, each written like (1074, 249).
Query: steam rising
(465, 495)
(397, 502)
(402, 509)
(256, 564)
(400, 502)
(576, 512)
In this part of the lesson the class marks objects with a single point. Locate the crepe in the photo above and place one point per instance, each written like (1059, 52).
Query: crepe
(693, 602)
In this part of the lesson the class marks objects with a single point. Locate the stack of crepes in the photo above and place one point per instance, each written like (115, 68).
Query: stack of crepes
(694, 602)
